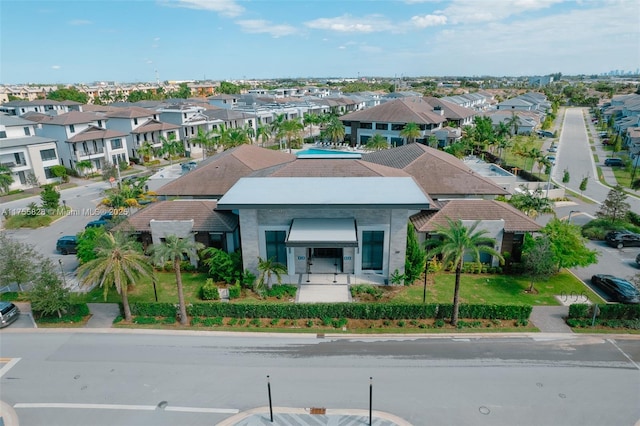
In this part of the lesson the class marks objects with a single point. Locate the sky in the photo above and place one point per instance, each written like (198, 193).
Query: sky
(65, 41)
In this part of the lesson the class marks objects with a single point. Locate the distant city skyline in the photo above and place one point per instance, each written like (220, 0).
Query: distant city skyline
(59, 41)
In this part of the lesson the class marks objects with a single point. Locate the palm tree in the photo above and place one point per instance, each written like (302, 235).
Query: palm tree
(377, 142)
(309, 119)
(171, 146)
(290, 130)
(514, 123)
(146, 151)
(411, 132)
(172, 250)
(334, 130)
(454, 242)
(5, 178)
(268, 268)
(263, 133)
(206, 140)
(119, 262)
(236, 137)
(276, 126)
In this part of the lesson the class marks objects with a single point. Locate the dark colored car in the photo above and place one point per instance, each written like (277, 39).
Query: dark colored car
(106, 216)
(67, 244)
(614, 162)
(8, 313)
(618, 289)
(95, 223)
(638, 259)
(619, 239)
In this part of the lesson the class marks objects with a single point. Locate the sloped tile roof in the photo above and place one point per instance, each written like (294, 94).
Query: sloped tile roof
(339, 167)
(96, 133)
(154, 126)
(214, 176)
(413, 110)
(514, 219)
(203, 213)
(438, 173)
(74, 117)
(130, 112)
(451, 110)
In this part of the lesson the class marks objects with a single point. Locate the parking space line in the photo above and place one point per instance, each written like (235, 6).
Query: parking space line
(66, 405)
(9, 364)
(623, 353)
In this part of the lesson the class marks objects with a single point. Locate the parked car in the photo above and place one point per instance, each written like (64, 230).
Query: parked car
(606, 141)
(8, 313)
(638, 259)
(67, 244)
(613, 162)
(620, 290)
(553, 148)
(620, 239)
(551, 158)
(95, 223)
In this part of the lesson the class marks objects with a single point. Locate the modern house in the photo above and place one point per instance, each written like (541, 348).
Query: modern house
(28, 157)
(390, 118)
(343, 216)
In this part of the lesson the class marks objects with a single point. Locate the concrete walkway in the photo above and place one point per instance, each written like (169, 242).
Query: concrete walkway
(550, 319)
(323, 293)
(102, 315)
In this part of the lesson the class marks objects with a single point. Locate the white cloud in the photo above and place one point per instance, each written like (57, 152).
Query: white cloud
(467, 11)
(428, 20)
(349, 24)
(223, 7)
(258, 26)
(156, 39)
(55, 67)
(342, 47)
(80, 22)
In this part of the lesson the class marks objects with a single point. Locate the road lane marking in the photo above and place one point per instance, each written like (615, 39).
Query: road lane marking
(125, 407)
(623, 353)
(8, 365)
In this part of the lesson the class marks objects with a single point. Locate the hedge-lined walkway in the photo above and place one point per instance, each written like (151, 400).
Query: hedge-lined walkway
(550, 319)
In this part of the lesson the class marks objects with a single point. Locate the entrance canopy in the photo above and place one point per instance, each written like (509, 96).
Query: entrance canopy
(318, 233)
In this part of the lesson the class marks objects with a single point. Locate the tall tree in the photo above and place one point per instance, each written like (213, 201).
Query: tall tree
(411, 132)
(514, 123)
(206, 141)
(537, 259)
(119, 263)
(310, 120)
(291, 130)
(415, 257)
(453, 243)
(68, 94)
(568, 245)
(615, 206)
(334, 130)
(173, 249)
(48, 295)
(263, 133)
(18, 262)
(171, 147)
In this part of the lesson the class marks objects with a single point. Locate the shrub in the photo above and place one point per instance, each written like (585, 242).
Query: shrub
(235, 291)
(339, 323)
(213, 322)
(209, 291)
(275, 321)
(145, 320)
(373, 290)
(75, 313)
(232, 321)
(255, 322)
(326, 321)
(439, 323)
(402, 323)
(280, 291)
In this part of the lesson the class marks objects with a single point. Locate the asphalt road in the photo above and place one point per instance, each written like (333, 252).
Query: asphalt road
(202, 378)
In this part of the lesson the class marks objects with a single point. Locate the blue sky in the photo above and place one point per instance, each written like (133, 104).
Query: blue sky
(61, 41)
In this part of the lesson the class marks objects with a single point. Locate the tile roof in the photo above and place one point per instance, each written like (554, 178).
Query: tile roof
(339, 167)
(514, 219)
(451, 110)
(413, 110)
(203, 213)
(74, 117)
(96, 133)
(130, 112)
(154, 126)
(437, 172)
(214, 176)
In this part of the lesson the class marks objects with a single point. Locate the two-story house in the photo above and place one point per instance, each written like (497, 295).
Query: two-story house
(28, 157)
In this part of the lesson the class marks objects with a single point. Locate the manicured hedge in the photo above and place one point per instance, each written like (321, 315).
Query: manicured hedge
(607, 312)
(369, 311)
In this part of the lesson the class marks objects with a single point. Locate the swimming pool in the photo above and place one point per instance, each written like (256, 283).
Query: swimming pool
(327, 153)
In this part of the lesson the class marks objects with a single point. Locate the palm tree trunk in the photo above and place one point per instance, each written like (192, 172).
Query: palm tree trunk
(456, 295)
(125, 302)
(183, 307)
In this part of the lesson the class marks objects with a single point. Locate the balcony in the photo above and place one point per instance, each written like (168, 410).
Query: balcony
(88, 154)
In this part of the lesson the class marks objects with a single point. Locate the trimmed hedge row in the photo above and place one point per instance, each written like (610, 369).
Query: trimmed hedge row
(369, 311)
(607, 312)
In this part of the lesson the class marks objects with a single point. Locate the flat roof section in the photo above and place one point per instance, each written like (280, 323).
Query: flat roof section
(336, 192)
(323, 232)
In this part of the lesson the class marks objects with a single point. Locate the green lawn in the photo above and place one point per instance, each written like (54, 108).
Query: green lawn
(143, 290)
(496, 289)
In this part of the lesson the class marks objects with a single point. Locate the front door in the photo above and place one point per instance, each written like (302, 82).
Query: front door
(325, 260)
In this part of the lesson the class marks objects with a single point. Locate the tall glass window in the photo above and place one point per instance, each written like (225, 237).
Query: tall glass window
(372, 250)
(276, 247)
